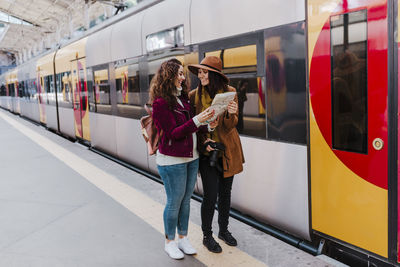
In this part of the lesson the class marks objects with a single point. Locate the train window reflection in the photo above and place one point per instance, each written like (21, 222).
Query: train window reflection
(63, 84)
(240, 66)
(191, 58)
(128, 91)
(99, 95)
(349, 81)
(286, 85)
(3, 90)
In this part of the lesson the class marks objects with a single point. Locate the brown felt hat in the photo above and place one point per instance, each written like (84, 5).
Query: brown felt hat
(210, 63)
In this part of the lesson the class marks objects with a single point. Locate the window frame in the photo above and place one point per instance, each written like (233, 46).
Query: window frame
(255, 38)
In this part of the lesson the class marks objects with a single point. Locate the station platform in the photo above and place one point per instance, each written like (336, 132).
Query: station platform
(63, 205)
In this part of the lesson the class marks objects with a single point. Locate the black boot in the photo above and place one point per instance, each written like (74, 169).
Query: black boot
(212, 245)
(228, 238)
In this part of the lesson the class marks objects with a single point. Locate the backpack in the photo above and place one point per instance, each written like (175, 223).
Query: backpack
(149, 130)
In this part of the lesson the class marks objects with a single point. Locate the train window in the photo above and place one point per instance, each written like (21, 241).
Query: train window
(240, 66)
(64, 96)
(349, 81)
(21, 89)
(33, 90)
(49, 89)
(11, 89)
(285, 81)
(128, 91)
(3, 90)
(191, 58)
(99, 92)
(165, 39)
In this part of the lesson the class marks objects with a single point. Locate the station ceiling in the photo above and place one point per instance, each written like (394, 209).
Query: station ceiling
(45, 22)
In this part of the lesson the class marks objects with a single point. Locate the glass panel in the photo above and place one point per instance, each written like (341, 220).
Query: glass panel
(240, 66)
(21, 89)
(214, 53)
(3, 90)
(286, 85)
(240, 56)
(11, 89)
(102, 91)
(349, 81)
(51, 96)
(191, 58)
(165, 39)
(64, 89)
(128, 91)
(251, 106)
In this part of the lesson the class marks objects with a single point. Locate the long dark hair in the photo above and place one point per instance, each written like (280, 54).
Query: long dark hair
(215, 83)
(163, 83)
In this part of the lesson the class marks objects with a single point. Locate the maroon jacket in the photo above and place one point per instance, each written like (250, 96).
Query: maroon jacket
(177, 126)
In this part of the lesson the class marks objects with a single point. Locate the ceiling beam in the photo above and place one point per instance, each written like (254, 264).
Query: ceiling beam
(17, 16)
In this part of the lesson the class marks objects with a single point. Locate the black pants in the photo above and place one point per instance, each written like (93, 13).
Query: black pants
(215, 186)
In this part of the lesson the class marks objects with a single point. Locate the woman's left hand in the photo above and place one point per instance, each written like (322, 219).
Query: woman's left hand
(232, 107)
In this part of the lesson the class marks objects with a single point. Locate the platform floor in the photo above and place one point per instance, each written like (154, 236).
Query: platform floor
(63, 205)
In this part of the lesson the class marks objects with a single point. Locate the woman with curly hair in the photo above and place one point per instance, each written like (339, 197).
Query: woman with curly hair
(177, 158)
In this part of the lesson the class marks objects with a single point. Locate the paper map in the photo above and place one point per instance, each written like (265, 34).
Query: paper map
(220, 103)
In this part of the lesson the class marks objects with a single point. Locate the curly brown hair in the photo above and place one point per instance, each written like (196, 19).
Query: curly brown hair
(163, 83)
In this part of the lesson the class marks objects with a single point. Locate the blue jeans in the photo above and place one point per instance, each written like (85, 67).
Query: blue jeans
(179, 181)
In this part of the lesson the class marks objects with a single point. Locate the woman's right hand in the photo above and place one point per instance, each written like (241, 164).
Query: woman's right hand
(209, 148)
(205, 115)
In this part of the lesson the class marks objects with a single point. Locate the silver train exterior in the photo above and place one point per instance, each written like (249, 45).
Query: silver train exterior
(274, 186)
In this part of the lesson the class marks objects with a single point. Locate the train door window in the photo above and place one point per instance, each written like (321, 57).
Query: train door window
(100, 94)
(11, 89)
(21, 89)
(34, 90)
(25, 89)
(128, 91)
(3, 90)
(64, 90)
(51, 93)
(240, 66)
(349, 81)
(286, 85)
(49, 89)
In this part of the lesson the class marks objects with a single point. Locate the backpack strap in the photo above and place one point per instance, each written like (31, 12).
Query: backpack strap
(148, 108)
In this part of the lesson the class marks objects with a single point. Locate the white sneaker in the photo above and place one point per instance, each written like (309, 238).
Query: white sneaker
(185, 246)
(173, 251)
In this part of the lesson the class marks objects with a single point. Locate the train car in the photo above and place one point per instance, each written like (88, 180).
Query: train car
(318, 106)
(28, 91)
(353, 60)
(71, 90)
(12, 86)
(3, 91)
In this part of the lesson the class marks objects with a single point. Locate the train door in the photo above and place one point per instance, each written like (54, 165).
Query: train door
(41, 97)
(80, 99)
(348, 83)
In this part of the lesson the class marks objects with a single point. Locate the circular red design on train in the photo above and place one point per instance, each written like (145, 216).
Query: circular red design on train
(372, 166)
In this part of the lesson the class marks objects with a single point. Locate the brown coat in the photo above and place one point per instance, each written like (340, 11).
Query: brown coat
(233, 157)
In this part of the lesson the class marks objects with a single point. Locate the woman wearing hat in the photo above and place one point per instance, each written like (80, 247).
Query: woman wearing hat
(217, 182)
(177, 156)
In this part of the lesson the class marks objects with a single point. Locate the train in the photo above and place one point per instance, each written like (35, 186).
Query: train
(317, 84)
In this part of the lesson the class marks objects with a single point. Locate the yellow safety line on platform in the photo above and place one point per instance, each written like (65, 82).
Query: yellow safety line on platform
(141, 205)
